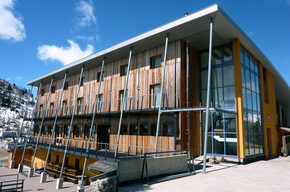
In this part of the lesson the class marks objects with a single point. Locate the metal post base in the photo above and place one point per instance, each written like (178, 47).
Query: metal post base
(59, 183)
(43, 177)
(80, 188)
(30, 172)
(11, 166)
(20, 168)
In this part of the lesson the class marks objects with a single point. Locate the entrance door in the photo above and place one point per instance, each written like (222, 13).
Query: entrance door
(103, 136)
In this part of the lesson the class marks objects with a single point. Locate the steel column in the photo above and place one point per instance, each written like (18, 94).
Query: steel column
(28, 132)
(71, 122)
(187, 96)
(207, 97)
(55, 120)
(41, 125)
(92, 124)
(161, 93)
(124, 99)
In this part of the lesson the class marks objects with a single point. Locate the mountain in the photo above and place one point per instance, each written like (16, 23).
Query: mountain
(13, 102)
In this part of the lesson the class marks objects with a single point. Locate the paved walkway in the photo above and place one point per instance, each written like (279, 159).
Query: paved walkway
(268, 175)
(33, 183)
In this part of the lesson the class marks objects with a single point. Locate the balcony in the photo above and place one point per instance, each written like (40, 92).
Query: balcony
(132, 104)
(98, 150)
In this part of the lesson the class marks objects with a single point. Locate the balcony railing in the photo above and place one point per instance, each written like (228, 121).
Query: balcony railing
(96, 148)
(144, 102)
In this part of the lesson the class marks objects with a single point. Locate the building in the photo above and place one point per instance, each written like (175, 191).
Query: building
(248, 108)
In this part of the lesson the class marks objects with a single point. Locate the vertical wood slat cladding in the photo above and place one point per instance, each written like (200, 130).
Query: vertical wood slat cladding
(194, 100)
(140, 74)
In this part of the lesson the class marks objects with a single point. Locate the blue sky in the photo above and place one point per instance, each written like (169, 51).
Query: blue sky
(38, 36)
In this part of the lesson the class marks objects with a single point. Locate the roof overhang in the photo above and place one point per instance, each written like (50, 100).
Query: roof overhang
(193, 28)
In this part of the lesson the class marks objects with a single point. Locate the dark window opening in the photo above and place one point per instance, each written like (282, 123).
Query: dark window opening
(124, 70)
(65, 86)
(168, 129)
(42, 92)
(133, 129)
(77, 164)
(99, 76)
(153, 129)
(144, 129)
(124, 129)
(155, 62)
(57, 159)
(53, 89)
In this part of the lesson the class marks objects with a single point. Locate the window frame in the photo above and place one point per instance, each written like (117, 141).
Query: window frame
(123, 70)
(152, 61)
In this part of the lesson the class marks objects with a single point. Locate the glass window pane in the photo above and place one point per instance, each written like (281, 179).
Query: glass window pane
(244, 98)
(209, 122)
(242, 56)
(252, 64)
(247, 61)
(204, 59)
(219, 141)
(216, 57)
(218, 122)
(229, 75)
(217, 77)
(255, 123)
(252, 144)
(229, 97)
(249, 99)
(250, 123)
(243, 77)
(230, 122)
(247, 144)
(258, 103)
(204, 79)
(253, 84)
(257, 84)
(228, 54)
(248, 81)
(256, 67)
(218, 97)
(231, 144)
(254, 101)
(203, 97)
(259, 123)
(209, 143)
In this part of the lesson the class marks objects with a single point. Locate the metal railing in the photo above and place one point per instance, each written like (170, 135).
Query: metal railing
(104, 149)
(14, 184)
(144, 102)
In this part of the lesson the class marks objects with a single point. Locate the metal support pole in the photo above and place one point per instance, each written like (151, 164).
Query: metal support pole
(43, 179)
(59, 182)
(41, 125)
(124, 100)
(25, 114)
(92, 125)
(28, 132)
(187, 97)
(207, 97)
(161, 93)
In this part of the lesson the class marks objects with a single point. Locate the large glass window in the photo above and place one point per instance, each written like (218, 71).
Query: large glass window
(251, 104)
(222, 135)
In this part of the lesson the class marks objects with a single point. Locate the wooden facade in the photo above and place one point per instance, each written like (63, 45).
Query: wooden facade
(142, 77)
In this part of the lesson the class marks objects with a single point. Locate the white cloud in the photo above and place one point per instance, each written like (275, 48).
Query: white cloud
(18, 78)
(8, 79)
(11, 27)
(250, 33)
(85, 13)
(64, 55)
(88, 38)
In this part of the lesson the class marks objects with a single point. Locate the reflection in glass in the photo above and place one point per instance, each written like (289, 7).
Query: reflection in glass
(204, 79)
(249, 100)
(204, 59)
(228, 54)
(229, 97)
(229, 75)
(218, 122)
(230, 122)
(216, 57)
(218, 97)
(247, 61)
(231, 144)
(219, 142)
(217, 77)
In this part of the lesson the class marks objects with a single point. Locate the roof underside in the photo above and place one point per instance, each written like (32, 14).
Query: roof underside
(193, 28)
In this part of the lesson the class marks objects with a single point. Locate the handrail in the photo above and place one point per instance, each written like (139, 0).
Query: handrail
(147, 101)
(100, 146)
